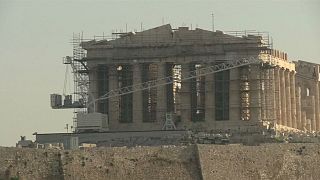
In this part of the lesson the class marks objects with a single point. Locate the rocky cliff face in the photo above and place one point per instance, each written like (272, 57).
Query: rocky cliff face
(167, 162)
(268, 161)
(16, 163)
(132, 163)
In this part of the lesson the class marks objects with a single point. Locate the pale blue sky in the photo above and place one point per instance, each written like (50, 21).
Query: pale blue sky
(35, 34)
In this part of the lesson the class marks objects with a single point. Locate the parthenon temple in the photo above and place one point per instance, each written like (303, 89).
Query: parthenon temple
(277, 92)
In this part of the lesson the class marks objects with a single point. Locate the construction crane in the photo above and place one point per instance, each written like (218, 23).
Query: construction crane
(68, 103)
(169, 123)
(81, 79)
(170, 79)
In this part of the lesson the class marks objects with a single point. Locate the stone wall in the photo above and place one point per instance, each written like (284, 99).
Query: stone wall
(267, 161)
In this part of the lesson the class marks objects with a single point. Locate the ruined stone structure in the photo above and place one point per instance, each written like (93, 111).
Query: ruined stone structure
(307, 96)
(276, 93)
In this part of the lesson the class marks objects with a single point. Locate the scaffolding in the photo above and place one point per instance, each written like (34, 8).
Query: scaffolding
(266, 40)
(177, 75)
(197, 93)
(244, 94)
(268, 94)
(80, 76)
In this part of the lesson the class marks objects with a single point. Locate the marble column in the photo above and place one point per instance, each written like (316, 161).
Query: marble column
(278, 95)
(305, 124)
(93, 90)
(137, 96)
(273, 113)
(209, 100)
(298, 109)
(263, 94)
(161, 95)
(255, 93)
(293, 100)
(283, 98)
(185, 96)
(114, 113)
(313, 114)
(288, 98)
(319, 105)
(317, 115)
(234, 94)
(244, 95)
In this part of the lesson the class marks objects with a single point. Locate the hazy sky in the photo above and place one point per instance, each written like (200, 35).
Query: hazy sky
(35, 35)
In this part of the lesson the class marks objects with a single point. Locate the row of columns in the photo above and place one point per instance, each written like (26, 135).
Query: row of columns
(137, 106)
(285, 100)
(288, 109)
(137, 123)
(294, 108)
(184, 94)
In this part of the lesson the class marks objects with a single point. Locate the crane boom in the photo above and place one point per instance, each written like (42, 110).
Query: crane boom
(170, 79)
